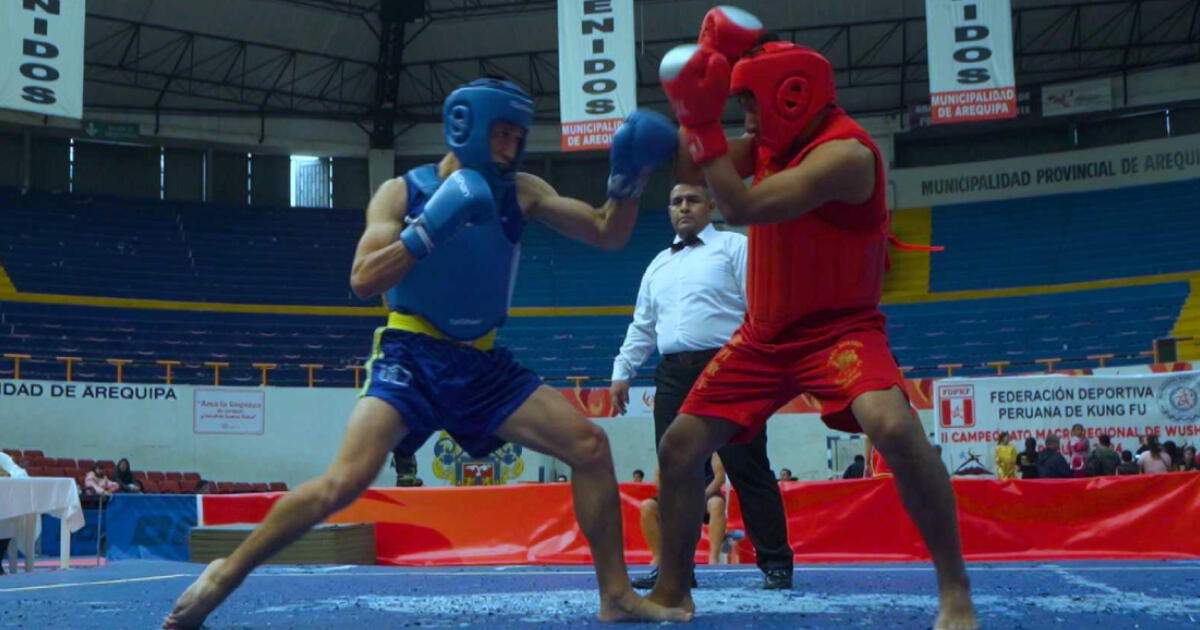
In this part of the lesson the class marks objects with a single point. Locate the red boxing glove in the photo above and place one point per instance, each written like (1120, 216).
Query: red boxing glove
(696, 81)
(730, 31)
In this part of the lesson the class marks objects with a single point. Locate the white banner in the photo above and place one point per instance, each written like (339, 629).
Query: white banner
(597, 74)
(970, 60)
(1103, 168)
(1078, 97)
(41, 56)
(970, 413)
(228, 410)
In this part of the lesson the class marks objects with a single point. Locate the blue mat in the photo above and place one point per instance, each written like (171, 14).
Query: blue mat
(136, 594)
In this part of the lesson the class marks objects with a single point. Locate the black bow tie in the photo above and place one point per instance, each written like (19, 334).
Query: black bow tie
(690, 241)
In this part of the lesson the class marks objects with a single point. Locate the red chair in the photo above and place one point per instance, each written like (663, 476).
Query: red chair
(150, 486)
(189, 486)
(85, 464)
(65, 462)
(12, 452)
(139, 475)
(36, 471)
(192, 475)
(34, 456)
(156, 475)
(108, 466)
(170, 486)
(243, 487)
(278, 486)
(260, 487)
(174, 475)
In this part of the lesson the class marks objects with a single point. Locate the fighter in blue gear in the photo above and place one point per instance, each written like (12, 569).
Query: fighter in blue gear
(441, 245)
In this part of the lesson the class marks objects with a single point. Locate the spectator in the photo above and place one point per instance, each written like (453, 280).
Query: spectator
(1028, 459)
(1104, 460)
(1006, 458)
(561, 479)
(123, 475)
(1127, 466)
(1172, 452)
(1154, 460)
(639, 476)
(1143, 444)
(8, 526)
(785, 474)
(97, 482)
(406, 470)
(1077, 450)
(856, 470)
(1050, 463)
(1189, 459)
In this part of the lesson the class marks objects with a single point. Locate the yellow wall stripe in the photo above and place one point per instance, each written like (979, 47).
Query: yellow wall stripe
(1188, 325)
(909, 274)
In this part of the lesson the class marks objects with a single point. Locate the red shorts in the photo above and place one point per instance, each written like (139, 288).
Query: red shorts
(747, 381)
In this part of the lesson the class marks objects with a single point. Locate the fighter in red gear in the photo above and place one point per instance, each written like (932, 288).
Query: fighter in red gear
(818, 248)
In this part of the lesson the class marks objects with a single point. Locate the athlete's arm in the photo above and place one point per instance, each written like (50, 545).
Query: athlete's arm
(840, 170)
(607, 227)
(381, 259)
(741, 153)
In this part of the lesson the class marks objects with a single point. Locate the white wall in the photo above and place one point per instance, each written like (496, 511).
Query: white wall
(301, 432)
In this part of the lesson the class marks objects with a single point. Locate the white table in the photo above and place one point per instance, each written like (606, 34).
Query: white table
(22, 500)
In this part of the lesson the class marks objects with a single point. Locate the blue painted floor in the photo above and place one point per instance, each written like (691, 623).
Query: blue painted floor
(1010, 596)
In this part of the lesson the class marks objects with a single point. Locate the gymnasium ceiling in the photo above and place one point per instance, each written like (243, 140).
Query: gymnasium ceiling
(321, 58)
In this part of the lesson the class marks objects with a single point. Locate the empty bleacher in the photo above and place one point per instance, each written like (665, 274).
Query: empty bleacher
(1076, 237)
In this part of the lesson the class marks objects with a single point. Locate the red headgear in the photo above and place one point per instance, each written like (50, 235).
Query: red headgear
(791, 83)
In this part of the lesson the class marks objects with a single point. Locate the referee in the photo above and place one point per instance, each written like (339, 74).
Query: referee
(691, 300)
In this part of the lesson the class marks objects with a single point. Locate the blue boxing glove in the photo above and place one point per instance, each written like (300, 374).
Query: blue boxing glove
(645, 140)
(464, 197)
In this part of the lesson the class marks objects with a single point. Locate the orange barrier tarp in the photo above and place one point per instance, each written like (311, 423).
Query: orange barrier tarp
(834, 521)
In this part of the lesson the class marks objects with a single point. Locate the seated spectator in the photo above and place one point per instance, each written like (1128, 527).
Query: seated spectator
(123, 475)
(856, 470)
(8, 526)
(1006, 458)
(1103, 459)
(1128, 466)
(639, 476)
(1189, 459)
(97, 482)
(1154, 460)
(1051, 464)
(1027, 460)
(785, 474)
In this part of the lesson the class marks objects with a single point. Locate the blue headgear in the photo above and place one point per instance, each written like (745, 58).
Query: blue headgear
(468, 116)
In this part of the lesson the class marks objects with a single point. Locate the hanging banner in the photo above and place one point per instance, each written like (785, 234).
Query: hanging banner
(970, 60)
(970, 413)
(41, 56)
(1078, 97)
(597, 75)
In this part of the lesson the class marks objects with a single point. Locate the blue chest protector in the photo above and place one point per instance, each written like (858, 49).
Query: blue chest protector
(464, 287)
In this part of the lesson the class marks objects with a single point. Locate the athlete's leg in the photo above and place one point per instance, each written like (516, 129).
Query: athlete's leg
(375, 428)
(925, 489)
(547, 423)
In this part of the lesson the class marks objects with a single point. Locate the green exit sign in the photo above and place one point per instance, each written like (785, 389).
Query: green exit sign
(110, 131)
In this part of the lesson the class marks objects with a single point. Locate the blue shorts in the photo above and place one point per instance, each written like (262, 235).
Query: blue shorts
(437, 385)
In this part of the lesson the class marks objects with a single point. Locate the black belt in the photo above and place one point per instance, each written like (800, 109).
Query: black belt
(690, 355)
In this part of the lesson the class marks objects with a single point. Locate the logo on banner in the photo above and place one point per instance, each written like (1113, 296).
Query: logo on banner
(1179, 398)
(958, 405)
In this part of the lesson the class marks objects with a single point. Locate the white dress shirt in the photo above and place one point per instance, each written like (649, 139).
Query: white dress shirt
(693, 299)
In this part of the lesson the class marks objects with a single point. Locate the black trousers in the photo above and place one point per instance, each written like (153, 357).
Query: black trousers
(746, 465)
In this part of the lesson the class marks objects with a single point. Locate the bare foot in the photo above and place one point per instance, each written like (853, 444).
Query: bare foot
(632, 607)
(205, 594)
(956, 612)
(684, 602)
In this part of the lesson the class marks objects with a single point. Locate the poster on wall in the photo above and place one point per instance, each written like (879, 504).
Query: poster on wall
(970, 413)
(597, 73)
(229, 410)
(41, 56)
(971, 74)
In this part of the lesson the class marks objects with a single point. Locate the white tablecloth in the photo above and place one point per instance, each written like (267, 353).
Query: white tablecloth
(21, 500)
